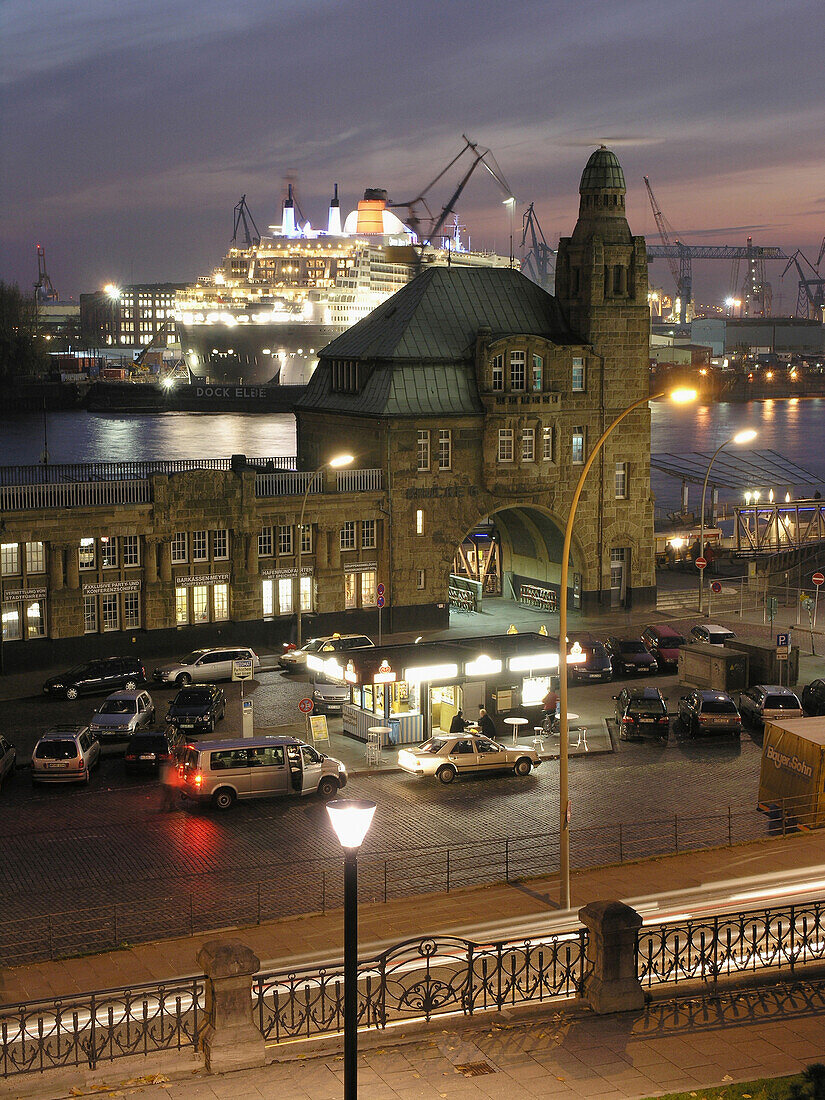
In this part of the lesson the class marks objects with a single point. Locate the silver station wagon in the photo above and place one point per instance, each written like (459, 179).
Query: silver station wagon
(446, 757)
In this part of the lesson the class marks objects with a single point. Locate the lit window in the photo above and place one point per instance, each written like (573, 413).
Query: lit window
(306, 538)
(87, 557)
(265, 543)
(285, 539)
(109, 612)
(518, 369)
(368, 534)
(505, 444)
(131, 550)
(90, 614)
(350, 590)
(578, 375)
(220, 544)
(348, 536)
(538, 372)
(621, 480)
(200, 546)
(181, 606)
(445, 448)
(11, 622)
(528, 444)
(179, 547)
(220, 602)
(578, 446)
(35, 620)
(368, 583)
(498, 372)
(9, 559)
(306, 593)
(547, 443)
(35, 557)
(285, 595)
(200, 603)
(419, 522)
(131, 610)
(423, 450)
(108, 551)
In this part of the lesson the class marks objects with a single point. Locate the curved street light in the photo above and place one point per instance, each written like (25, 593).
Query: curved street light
(333, 464)
(682, 397)
(741, 437)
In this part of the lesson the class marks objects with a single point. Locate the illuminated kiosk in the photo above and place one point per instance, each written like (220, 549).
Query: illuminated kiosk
(416, 690)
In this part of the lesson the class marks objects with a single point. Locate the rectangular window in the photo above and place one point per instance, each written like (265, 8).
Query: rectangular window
(350, 590)
(578, 446)
(285, 539)
(35, 557)
(423, 450)
(200, 546)
(181, 606)
(220, 602)
(268, 597)
(108, 551)
(368, 582)
(11, 622)
(348, 536)
(505, 444)
(131, 610)
(200, 603)
(419, 521)
(306, 593)
(86, 555)
(538, 373)
(35, 620)
(131, 550)
(90, 614)
(285, 595)
(220, 545)
(528, 444)
(445, 448)
(109, 612)
(420, 579)
(547, 443)
(306, 538)
(9, 559)
(498, 372)
(578, 374)
(518, 369)
(368, 534)
(621, 480)
(179, 547)
(265, 543)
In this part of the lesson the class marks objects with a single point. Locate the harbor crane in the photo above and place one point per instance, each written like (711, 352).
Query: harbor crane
(43, 289)
(810, 298)
(243, 216)
(539, 260)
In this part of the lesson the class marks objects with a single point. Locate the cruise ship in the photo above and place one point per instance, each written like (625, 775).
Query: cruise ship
(264, 315)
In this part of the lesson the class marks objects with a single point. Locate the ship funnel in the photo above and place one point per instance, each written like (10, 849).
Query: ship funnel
(334, 224)
(288, 227)
(371, 211)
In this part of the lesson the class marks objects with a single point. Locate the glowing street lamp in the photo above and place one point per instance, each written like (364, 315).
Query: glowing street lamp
(681, 396)
(740, 437)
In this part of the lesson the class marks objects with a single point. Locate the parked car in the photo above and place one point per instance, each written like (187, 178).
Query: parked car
(205, 665)
(146, 752)
(766, 702)
(197, 707)
(65, 754)
(105, 674)
(630, 656)
(222, 771)
(664, 643)
(813, 697)
(8, 758)
(121, 715)
(446, 757)
(709, 712)
(329, 697)
(642, 712)
(295, 660)
(710, 634)
(596, 664)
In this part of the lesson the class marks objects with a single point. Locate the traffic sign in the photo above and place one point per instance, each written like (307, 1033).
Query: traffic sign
(716, 588)
(305, 706)
(242, 668)
(818, 579)
(380, 601)
(783, 640)
(380, 590)
(701, 563)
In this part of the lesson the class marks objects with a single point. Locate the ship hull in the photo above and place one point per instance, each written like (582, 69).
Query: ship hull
(277, 354)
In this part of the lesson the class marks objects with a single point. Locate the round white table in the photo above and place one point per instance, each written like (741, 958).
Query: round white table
(570, 718)
(515, 724)
(377, 736)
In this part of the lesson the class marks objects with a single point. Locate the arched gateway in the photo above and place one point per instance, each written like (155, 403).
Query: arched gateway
(481, 395)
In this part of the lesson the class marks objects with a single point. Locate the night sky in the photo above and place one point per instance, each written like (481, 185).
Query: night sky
(130, 129)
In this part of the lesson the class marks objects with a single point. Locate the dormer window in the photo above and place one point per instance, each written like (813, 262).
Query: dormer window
(345, 376)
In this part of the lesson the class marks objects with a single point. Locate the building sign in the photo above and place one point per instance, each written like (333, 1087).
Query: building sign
(21, 595)
(204, 578)
(232, 391)
(110, 586)
(306, 571)
(384, 675)
(360, 566)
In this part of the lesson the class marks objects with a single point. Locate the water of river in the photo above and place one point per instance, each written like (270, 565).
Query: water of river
(793, 428)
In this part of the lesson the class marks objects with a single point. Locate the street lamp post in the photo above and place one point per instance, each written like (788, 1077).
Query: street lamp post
(740, 437)
(351, 819)
(333, 464)
(681, 396)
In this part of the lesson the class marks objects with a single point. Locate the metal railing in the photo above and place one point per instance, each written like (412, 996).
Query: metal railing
(293, 483)
(90, 1028)
(49, 473)
(359, 481)
(79, 494)
(421, 979)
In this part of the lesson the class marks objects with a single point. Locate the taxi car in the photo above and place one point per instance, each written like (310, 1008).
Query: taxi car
(446, 755)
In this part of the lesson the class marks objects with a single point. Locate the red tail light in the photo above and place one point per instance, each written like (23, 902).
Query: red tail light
(80, 764)
(164, 756)
(197, 779)
(627, 720)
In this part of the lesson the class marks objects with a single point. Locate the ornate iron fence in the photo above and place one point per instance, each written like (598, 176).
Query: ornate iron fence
(99, 1027)
(418, 980)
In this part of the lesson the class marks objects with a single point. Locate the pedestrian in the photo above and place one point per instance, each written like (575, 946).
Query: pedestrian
(459, 722)
(170, 789)
(550, 707)
(486, 725)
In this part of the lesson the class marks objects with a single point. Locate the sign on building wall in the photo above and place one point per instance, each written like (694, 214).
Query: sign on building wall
(22, 595)
(204, 578)
(110, 586)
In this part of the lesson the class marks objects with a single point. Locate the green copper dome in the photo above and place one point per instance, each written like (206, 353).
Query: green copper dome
(602, 171)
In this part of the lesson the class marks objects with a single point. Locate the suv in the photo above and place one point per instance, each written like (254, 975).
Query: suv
(65, 754)
(596, 664)
(641, 711)
(813, 697)
(121, 714)
(630, 656)
(197, 707)
(329, 697)
(205, 665)
(709, 712)
(710, 634)
(294, 660)
(766, 702)
(664, 643)
(106, 674)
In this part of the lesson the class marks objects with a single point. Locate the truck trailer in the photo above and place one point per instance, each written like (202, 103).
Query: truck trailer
(792, 775)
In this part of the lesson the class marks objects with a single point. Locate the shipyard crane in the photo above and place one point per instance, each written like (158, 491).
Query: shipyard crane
(538, 263)
(681, 276)
(43, 289)
(243, 216)
(140, 358)
(810, 298)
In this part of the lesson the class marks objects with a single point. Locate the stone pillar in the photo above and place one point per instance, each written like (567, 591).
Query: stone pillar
(55, 566)
(150, 560)
(611, 983)
(165, 561)
(230, 1039)
(251, 554)
(72, 567)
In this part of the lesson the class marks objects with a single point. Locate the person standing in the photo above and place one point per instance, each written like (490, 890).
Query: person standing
(459, 722)
(486, 725)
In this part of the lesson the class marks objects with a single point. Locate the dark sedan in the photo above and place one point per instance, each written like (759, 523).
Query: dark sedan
(197, 707)
(146, 752)
(631, 657)
(105, 674)
(813, 698)
(642, 712)
(596, 664)
(709, 712)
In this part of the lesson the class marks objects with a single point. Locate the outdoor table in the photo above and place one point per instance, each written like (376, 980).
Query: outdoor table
(515, 724)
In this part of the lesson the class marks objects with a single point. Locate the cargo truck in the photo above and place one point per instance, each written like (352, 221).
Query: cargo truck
(792, 775)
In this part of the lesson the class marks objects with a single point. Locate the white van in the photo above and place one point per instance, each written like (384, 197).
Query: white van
(257, 767)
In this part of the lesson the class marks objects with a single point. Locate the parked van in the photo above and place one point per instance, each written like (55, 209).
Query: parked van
(257, 767)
